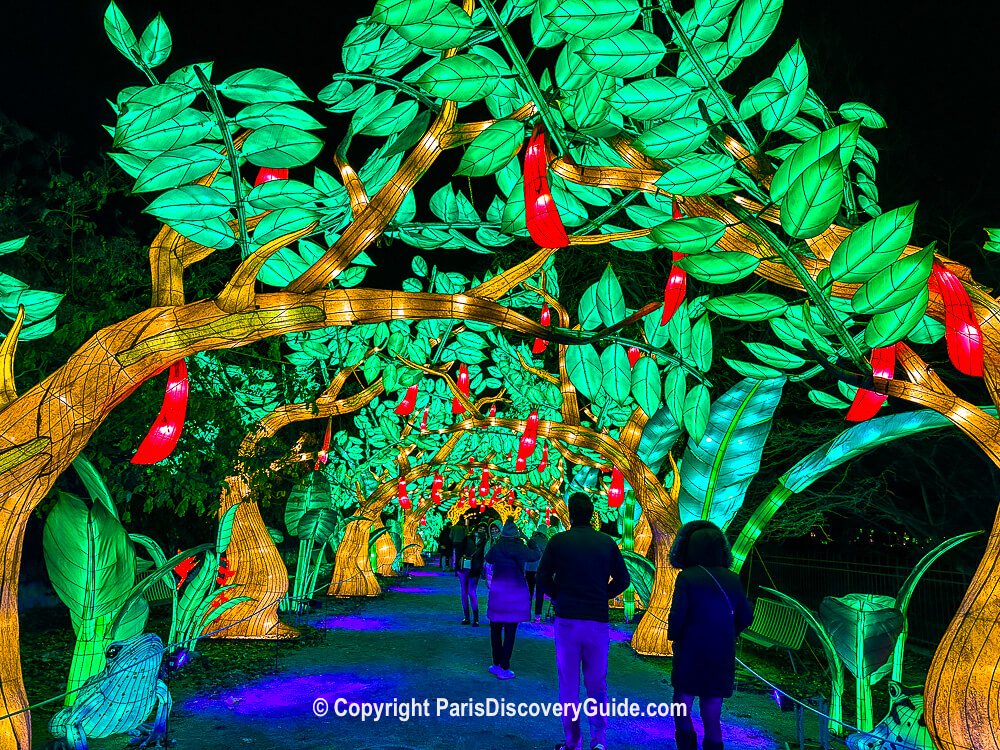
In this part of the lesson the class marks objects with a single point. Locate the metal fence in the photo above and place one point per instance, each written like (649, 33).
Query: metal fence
(839, 571)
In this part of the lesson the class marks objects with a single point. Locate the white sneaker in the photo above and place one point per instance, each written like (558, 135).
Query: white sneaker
(538, 619)
(495, 670)
(505, 674)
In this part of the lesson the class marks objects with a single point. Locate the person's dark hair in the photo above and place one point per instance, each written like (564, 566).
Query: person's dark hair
(581, 509)
(700, 543)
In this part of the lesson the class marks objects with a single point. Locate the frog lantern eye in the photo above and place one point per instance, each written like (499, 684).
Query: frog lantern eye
(113, 650)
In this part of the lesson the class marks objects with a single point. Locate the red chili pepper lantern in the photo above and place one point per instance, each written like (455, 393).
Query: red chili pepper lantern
(324, 452)
(162, 437)
(405, 407)
(463, 387)
(266, 174)
(545, 319)
(676, 287)
(616, 492)
(867, 403)
(541, 215)
(962, 333)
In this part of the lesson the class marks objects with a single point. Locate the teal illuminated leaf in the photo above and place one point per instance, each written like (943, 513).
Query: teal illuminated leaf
(189, 203)
(864, 629)
(184, 129)
(895, 285)
(826, 401)
(178, 167)
(584, 367)
(610, 301)
(340, 96)
(463, 78)
(860, 111)
(752, 369)
(651, 98)
(764, 95)
(656, 334)
(281, 147)
(711, 12)
(793, 75)
(679, 330)
(896, 324)
(926, 331)
(697, 175)
(261, 85)
(751, 26)
(275, 194)
(813, 199)
(450, 27)
(12, 246)
(594, 19)
(873, 245)
(405, 12)
(120, 33)
(842, 139)
(749, 307)
(155, 43)
(690, 235)
(214, 232)
(361, 47)
(658, 437)
(629, 53)
(673, 138)
(646, 385)
(588, 108)
(544, 33)
(774, 356)
(281, 222)
(276, 113)
(701, 343)
(492, 149)
(393, 120)
(721, 267)
(616, 377)
(674, 392)
(38, 304)
(697, 405)
(718, 466)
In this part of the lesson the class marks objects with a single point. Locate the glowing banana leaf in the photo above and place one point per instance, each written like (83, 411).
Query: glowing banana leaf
(658, 437)
(312, 494)
(864, 629)
(643, 572)
(717, 470)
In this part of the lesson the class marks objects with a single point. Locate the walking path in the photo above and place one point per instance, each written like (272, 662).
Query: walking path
(409, 645)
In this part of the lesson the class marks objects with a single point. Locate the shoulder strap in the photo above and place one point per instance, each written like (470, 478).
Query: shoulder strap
(720, 589)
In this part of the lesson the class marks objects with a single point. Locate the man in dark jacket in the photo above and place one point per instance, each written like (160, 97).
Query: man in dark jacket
(581, 570)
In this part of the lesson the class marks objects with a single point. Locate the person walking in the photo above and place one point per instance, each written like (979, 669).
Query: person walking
(708, 612)
(531, 572)
(469, 568)
(509, 603)
(458, 533)
(444, 546)
(581, 570)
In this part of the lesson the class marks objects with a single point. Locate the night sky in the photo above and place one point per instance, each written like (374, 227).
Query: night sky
(928, 67)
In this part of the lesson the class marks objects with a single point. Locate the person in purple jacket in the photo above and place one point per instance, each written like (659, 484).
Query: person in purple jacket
(581, 570)
(509, 602)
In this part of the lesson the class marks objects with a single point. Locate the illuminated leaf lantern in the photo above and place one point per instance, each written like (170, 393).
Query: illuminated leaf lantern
(463, 387)
(166, 430)
(676, 288)
(545, 319)
(867, 403)
(541, 214)
(962, 333)
(405, 407)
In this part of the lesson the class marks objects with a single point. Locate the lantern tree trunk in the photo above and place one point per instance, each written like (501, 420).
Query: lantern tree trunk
(385, 552)
(352, 570)
(413, 543)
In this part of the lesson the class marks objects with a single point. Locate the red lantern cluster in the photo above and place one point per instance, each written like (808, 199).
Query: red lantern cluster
(963, 335)
(529, 438)
(166, 430)
(540, 212)
(676, 288)
(463, 387)
(545, 319)
(405, 407)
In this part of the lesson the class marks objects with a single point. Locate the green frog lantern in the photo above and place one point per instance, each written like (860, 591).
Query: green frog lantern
(120, 698)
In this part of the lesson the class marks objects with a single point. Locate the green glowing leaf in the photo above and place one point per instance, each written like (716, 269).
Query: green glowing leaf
(616, 377)
(214, 232)
(178, 167)
(261, 85)
(814, 198)
(651, 98)
(463, 78)
(594, 19)
(896, 324)
(751, 26)
(697, 175)
(749, 306)
(281, 147)
(842, 139)
(674, 392)
(774, 356)
(629, 53)
(752, 369)
(764, 95)
(926, 331)
(450, 27)
(189, 203)
(711, 12)
(184, 129)
(658, 436)
(697, 405)
(406, 12)
(276, 113)
(673, 138)
(863, 628)
(120, 33)
(155, 43)
(873, 245)
(690, 235)
(361, 47)
(584, 367)
(860, 111)
(720, 267)
(275, 194)
(718, 466)
(701, 343)
(646, 385)
(492, 149)
(896, 284)
(610, 300)
(793, 75)
(826, 401)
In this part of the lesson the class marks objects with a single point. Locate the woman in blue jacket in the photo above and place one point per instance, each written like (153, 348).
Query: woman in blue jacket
(509, 602)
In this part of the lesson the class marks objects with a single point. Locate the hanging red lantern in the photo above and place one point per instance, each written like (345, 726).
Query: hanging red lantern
(266, 174)
(545, 319)
(436, 489)
(404, 498)
(405, 407)
(423, 521)
(324, 452)
(544, 463)
(526, 446)
(166, 430)
(867, 403)
(484, 482)
(962, 333)
(493, 410)
(676, 287)
(634, 355)
(463, 387)
(541, 215)
(423, 422)
(548, 515)
(616, 492)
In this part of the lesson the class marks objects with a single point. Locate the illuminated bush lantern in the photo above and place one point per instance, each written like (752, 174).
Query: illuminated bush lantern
(453, 383)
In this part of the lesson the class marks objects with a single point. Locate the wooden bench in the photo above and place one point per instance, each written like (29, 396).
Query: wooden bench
(777, 625)
(158, 592)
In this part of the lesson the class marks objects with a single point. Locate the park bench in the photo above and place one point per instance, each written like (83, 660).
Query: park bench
(777, 625)
(158, 592)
